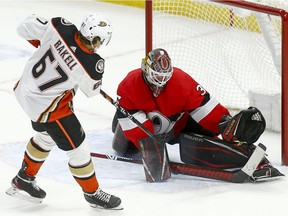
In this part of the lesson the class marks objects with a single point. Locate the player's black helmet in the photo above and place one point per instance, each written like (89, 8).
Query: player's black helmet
(157, 69)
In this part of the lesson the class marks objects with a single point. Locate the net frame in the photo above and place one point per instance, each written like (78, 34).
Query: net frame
(284, 55)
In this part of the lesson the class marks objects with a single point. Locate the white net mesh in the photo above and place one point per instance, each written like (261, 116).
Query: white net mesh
(222, 47)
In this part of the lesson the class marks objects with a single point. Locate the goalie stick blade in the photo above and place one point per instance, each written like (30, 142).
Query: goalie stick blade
(15, 192)
(251, 165)
(266, 179)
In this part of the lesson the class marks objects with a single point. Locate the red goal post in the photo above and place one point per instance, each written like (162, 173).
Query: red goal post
(242, 40)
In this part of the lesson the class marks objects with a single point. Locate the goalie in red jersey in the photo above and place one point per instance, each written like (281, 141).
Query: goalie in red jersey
(177, 109)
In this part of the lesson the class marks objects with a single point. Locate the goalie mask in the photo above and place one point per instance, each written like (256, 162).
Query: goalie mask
(96, 25)
(157, 70)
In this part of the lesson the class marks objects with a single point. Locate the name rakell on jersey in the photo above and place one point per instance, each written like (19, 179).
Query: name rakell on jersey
(65, 55)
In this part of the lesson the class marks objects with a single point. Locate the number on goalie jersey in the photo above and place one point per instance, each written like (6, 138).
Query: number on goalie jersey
(66, 59)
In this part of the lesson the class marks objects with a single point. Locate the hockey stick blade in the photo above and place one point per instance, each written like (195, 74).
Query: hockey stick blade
(251, 165)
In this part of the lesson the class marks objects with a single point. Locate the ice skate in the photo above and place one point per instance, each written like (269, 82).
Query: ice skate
(103, 200)
(25, 187)
(266, 172)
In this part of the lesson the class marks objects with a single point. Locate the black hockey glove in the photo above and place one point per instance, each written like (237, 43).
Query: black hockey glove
(247, 126)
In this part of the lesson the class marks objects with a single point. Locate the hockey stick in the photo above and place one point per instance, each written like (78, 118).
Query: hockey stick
(126, 113)
(116, 158)
(239, 176)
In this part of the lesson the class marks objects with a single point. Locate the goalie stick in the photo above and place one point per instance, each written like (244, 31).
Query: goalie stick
(126, 113)
(239, 176)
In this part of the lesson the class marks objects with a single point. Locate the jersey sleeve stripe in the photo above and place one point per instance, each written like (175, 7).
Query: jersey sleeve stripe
(127, 124)
(201, 112)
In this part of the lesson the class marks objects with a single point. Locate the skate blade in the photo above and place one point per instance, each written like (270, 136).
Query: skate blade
(15, 192)
(264, 179)
(100, 207)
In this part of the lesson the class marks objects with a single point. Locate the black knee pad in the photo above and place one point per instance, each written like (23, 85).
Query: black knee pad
(120, 143)
(213, 153)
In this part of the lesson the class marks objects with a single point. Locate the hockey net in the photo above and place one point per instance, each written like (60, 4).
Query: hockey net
(234, 49)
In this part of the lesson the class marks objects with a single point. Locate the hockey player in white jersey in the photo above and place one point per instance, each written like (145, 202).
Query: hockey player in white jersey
(64, 61)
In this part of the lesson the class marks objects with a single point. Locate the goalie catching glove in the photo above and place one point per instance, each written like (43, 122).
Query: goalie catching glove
(246, 126)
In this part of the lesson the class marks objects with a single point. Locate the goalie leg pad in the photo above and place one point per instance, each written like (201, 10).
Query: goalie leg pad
(155, 160)
(213, 153)
(122, 145)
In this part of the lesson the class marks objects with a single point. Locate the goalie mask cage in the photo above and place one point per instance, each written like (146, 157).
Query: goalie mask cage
(229, 47)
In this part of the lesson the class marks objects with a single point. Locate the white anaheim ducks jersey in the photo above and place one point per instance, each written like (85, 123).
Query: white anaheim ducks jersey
(54, 72)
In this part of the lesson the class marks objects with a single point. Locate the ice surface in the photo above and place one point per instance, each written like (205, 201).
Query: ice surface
(180, 195)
